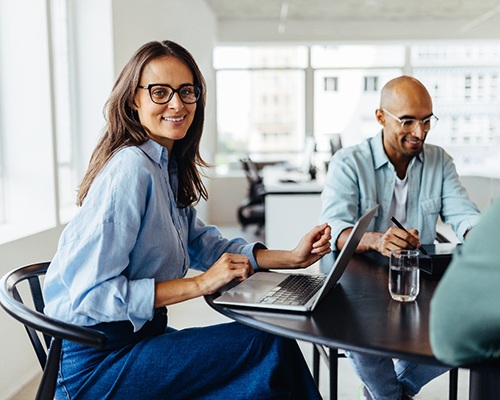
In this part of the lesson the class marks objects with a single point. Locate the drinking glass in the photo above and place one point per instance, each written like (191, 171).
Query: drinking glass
(404, 275)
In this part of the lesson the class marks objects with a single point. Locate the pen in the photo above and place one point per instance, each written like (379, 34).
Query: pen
(398, 224)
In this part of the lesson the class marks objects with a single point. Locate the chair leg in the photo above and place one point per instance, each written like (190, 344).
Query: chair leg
(331, 359)
(47, 386)
(453, 384)
(316, 364)
(334, 369)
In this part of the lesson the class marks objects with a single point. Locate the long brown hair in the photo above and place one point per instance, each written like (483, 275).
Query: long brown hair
(123, 127)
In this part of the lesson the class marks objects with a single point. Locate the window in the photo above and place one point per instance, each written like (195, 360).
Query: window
(26, 123)
(260, 102)
(262, 112)
(339, 86)
(371, 84)
(348, 111)
(494, 86)
(42, 150)
(466, 76)
(480, 87)
(331, 84)
(64, 131)
(468, 87)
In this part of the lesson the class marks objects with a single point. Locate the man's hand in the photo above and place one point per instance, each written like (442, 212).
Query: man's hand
(395, 238)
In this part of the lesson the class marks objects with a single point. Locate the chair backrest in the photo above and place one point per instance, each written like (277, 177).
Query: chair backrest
(52, 331)
(256, 186)
(335, 143)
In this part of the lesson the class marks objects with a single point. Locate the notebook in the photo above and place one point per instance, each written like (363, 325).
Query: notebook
(269, 289)
(439, 257)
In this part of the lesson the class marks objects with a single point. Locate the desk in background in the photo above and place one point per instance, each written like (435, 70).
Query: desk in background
(291, 208)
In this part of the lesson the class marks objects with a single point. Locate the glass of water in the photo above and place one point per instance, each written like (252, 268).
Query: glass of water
(404, 275)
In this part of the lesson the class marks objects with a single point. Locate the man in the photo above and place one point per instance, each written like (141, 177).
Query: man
(410, 180)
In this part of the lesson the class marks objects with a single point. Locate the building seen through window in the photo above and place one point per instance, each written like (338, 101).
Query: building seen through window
(287, 94)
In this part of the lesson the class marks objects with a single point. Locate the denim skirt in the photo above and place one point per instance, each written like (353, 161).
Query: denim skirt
(225, 361)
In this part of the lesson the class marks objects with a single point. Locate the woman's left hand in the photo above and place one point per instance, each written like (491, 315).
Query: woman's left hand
(313, 246)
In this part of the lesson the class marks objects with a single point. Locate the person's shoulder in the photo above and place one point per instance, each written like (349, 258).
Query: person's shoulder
(434, 148)
(130, 166)
(130, 158)
(349, 152)
(354, 157)
(435, 152)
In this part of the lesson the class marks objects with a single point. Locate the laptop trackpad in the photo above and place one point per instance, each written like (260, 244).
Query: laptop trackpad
(256, 285)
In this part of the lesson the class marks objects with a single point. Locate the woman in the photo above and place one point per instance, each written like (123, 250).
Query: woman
(123, 257)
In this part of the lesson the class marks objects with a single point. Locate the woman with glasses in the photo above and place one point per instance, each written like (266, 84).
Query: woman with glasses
(124, 256)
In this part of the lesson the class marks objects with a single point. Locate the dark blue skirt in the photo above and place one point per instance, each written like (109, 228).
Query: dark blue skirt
(226, 361)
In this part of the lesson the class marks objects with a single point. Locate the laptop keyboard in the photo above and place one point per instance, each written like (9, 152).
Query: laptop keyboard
(294, 290)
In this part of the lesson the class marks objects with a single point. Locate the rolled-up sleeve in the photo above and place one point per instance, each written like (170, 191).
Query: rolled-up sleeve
(207, 244)
(113, 250)
(341, 196)
(457, 209)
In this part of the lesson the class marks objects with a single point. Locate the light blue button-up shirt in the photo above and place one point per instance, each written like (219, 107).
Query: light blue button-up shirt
(127, 235)
(360, 177)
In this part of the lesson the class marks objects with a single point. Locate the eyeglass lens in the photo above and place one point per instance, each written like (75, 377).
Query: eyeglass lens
(410, 125)
(162, 94)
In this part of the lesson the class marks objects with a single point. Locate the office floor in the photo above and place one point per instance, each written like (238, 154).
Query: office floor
(197, 312)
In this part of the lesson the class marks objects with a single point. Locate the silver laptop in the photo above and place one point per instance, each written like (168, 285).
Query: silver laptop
(295, 292)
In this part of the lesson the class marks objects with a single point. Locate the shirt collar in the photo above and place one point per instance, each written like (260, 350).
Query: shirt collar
(379, 155)
(154, 151)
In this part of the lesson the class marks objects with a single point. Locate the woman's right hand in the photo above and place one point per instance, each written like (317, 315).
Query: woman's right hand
(227, 268)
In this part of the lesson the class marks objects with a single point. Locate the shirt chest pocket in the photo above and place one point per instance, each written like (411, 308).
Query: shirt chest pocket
(431, 206)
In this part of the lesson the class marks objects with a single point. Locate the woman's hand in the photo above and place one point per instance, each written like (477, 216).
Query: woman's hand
(227, 268)
(313, 246)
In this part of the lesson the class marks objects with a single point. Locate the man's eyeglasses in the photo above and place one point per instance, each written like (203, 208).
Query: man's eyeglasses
(409, 125)
(161, 93)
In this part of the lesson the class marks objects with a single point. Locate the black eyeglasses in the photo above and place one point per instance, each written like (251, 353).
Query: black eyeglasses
(409, 125)
(161, 93)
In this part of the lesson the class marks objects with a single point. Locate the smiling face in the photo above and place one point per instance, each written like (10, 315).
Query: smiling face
(405, 98)
(169, 122)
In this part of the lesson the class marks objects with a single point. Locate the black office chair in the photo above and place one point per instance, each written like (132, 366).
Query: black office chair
(252, 209)
(44, 332)
(335, 143)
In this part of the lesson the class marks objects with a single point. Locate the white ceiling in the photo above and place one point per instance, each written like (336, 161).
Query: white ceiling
(355, 20)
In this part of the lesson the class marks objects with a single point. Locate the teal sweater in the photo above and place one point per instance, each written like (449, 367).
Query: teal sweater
(465, 310)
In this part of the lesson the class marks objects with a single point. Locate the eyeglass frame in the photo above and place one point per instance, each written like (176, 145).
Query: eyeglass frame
(403, 120)
(197, 89)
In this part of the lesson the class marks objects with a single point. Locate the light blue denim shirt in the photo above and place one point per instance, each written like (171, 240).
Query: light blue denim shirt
(128, 234)
(361, 176)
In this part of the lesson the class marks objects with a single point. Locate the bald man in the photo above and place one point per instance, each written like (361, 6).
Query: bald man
(409, 179)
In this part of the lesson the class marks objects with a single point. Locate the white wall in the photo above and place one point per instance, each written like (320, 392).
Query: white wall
(226, 194)
(107, 32)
